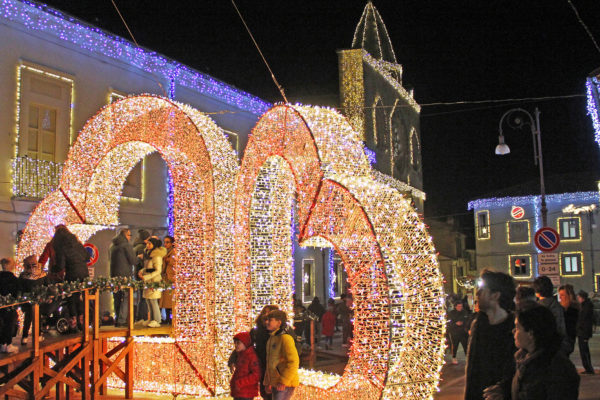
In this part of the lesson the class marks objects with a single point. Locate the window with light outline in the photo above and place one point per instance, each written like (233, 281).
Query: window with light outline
(596, 282)
(569, 229)
(308, 280)
(519, 265)
(518, 232)
(482, 224)
(571, 263)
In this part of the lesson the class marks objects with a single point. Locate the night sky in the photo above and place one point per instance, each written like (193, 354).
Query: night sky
(450, 51)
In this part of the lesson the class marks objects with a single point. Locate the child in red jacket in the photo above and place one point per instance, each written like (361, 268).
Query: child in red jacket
(328, 322)
(244, 382)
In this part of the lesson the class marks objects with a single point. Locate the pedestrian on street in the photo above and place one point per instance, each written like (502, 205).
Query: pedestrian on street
(570, 305)
(458, 320)
(525, 297)
(122, 260)
(584, 330)
(328, 322)
(491, 347)
(281, 374)
(543, 372)
(544, 290)
(247, 373)
(152, 272)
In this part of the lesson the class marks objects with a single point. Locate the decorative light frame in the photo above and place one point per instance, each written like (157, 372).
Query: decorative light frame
(510, 269)
(581, 260)
(489, 225)
(563, 239)
(520, 221)
(304, 153)
(389, 258)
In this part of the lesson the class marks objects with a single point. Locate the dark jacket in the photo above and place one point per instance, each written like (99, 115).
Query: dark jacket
(571, 316)
(585, 320)
(544, 376)
(461, 317)
(260, 336)
(490, 358)
(122, 257)
(9, 284)
(71, 256)
(244, 382)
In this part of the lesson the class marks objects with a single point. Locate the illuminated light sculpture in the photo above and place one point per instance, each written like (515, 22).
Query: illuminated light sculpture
(311, 159)
(302, 161)
(203, 168)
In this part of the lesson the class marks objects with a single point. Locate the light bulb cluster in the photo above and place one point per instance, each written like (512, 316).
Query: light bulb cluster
(389, 258)
(593, 104)
(234, 239)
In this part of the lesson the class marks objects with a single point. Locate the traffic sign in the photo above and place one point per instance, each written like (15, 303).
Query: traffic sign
(555, 279)
(517, 212)
(546, 239)
(93, 251)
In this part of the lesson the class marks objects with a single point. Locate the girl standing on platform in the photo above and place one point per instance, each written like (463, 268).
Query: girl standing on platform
(152, 273)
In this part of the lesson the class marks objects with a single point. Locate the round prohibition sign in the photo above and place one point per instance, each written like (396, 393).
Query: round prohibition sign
(547, 239)
(93, 251)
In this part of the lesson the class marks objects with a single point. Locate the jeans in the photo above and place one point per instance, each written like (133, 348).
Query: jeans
(121, 303)
(154, 309)
(285, 394)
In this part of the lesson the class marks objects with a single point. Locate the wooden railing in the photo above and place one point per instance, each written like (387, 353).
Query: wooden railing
(70, 363)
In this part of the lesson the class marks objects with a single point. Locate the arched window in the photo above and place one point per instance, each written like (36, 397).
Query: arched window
(415, 148)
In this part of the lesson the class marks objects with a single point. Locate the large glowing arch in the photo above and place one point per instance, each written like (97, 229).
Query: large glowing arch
(306, 152)
(203, 168)
(389, 258)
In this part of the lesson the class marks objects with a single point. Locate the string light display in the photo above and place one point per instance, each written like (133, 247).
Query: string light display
(389, 258)
(52, 23)
(302, 165)
(593, 104)
(27, 173)
(203, 167)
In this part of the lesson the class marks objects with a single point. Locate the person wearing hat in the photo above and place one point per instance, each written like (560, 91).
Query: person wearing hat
(584, 330)
(247, 373)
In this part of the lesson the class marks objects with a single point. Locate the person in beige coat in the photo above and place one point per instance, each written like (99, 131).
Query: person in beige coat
(168, 276)
(152, 272)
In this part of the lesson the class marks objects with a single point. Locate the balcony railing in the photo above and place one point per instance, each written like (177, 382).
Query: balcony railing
(35, 179)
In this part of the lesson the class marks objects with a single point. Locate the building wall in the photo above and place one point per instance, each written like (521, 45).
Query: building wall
(94, 77)
(495, 251)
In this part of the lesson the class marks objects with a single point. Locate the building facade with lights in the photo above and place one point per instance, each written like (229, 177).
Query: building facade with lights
(505, 230)
(56, 72)
(380, 107)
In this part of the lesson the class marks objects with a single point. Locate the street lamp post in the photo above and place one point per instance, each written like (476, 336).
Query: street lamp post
(534, 124)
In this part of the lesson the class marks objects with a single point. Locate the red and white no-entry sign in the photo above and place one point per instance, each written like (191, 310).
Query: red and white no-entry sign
(517, 212)
(546, 239)
(93, 250)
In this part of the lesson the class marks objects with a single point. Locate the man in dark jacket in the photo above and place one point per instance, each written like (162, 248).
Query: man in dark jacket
(584, 330)
(122, 260)
(458, 320)
(491, 347)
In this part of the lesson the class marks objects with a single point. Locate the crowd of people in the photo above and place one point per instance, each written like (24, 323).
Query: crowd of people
(148, 259)
(64, 259)
(518, 340)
